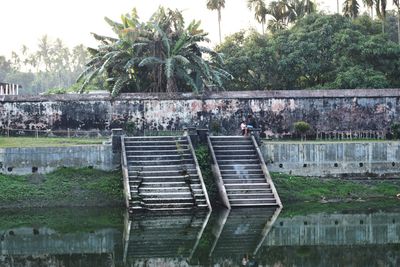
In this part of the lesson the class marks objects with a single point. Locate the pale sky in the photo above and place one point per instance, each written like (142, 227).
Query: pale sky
(25, 21)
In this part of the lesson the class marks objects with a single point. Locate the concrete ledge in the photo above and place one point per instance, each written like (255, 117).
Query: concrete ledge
(20, 161)
(334, 93)
(334, 159)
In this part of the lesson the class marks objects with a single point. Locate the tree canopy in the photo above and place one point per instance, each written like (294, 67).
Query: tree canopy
(320, 51)
(161, 55)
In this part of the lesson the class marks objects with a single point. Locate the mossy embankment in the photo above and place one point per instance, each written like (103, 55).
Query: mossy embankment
(66, 187)
(302, 195)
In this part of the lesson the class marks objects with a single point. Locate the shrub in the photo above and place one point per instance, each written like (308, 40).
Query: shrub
(302, 128)
(395, 127)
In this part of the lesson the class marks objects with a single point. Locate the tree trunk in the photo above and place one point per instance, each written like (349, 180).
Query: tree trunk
(398, 25)
(262, 27)
(337, 2)
(219, 25)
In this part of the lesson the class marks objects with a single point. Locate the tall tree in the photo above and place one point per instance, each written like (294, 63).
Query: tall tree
(397, 4)
(217, 5)
(260, 11)
(351, 8)
(380, 7)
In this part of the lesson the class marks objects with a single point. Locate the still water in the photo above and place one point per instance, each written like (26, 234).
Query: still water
(256, 237)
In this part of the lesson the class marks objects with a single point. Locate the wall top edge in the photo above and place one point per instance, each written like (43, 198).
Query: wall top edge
(337, 93)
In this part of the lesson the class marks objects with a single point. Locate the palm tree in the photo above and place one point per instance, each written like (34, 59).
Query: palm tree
(370, 5)
(397, 4)
(280, 15)
(351, 8)
(380, 7)
(161, 55)
(260, 11)
(217, 5)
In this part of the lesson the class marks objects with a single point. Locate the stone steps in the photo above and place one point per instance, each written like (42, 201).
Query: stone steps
(162, 174)
(241, 172)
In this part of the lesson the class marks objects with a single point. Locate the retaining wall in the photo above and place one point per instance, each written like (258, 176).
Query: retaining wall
(275, 111)
(345, 159)
(46, 159)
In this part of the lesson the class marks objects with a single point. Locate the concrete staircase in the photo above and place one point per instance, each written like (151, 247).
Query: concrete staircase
(241, 175)
(242, 231)
(162, 173)
(162, 238)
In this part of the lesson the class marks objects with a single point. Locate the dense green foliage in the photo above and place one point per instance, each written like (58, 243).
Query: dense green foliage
(320, 51)
(161, 55)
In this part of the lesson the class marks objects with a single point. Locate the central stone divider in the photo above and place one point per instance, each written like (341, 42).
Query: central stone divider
(162, 173)
(241, 174)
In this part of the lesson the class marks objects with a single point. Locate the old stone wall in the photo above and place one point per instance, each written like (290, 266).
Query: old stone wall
(329, 159)
(275, 111)
(46, 159)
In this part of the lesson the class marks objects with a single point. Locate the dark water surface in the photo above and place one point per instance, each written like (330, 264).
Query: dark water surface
(258, 237)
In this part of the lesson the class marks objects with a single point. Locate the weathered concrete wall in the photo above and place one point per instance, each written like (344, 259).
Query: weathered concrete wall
(276, 111)
(335, 229)
(46, 159)
(333, 158)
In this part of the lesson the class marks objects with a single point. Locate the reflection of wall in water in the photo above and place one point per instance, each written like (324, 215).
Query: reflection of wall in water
(331, 256)
(335, 229)
(29, 241)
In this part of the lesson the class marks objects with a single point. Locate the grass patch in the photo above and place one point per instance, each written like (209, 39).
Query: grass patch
(6, 142)
(295, 188)
(64, 187)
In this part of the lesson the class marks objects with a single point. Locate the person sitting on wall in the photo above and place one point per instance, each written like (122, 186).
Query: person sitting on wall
(243, 127)
(250, 124)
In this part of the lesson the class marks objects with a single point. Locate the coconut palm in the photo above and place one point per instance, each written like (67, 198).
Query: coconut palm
(260, 11)
(161, 55)
(351, 8)
(280, 15)
(217, 5)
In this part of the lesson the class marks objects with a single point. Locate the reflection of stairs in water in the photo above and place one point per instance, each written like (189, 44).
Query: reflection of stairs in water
(163, 239)
(162, 173)
(242, 177)
(242, 231)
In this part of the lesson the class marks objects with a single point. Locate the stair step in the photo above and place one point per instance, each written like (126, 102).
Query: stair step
(164, 190)
(220, 148)
(159, 138)
(159, 162)
(148, 147)
(164, 152)
(248, 191)
(158, 157)
(233, 152)
(228, 144)
(235, 167)
(167, 195)
(239, 172)
(251, 196)
(154, 142)
(236, 162)
(247, 186)
(243, 181)
(160, 168)
(237, 157)
(251, 201)
(243, 176)
(252, 204)
(168, 200)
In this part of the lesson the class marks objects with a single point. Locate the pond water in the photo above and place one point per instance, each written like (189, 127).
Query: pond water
(257, 237)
